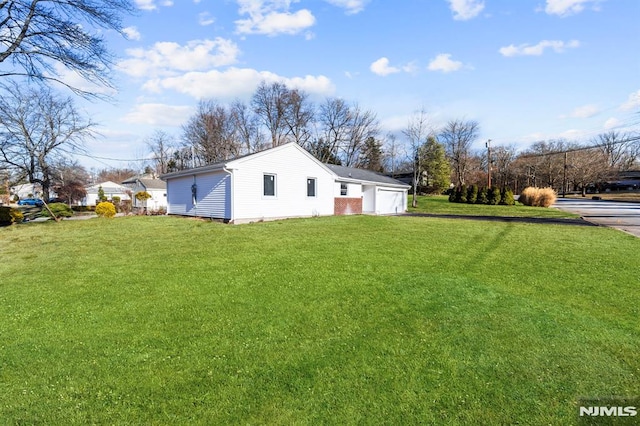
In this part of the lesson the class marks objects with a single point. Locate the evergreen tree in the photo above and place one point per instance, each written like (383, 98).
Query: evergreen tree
(371, 157)
(435, 166)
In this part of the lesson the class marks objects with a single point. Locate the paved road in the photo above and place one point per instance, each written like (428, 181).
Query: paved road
(623, 216)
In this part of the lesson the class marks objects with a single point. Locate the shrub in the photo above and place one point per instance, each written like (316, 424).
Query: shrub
(10, 215)
(463, 194)
(105, 209)
(142, 195)
(493, 196)
(482, 196)
(506, 197)
(452, 195)
(58, 209)
(472, 194)
(538, 197)
(546, 197)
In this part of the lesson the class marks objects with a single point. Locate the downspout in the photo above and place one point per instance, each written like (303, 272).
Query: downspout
(232, 192)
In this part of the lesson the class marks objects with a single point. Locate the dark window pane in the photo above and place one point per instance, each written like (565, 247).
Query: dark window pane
(269, 185)
(311, 187)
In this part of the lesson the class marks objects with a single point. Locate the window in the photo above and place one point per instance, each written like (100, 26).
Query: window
(269, 185)
(311, 187)
(343, 189)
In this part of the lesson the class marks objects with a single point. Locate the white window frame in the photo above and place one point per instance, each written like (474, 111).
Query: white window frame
(346, 189)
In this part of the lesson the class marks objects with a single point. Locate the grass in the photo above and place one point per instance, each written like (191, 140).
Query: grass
(440, 205)
(337, 320)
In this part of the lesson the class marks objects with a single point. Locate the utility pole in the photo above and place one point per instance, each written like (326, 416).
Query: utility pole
(564, 176)
(488, 145)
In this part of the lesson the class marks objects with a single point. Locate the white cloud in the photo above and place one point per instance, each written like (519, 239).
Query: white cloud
(351, 6)
(167, 58)
(381, 67)
(464, 10)
(632, 103)
(538, 49)
(235, 82)
(272, 17)
(205, 19)
(568, 7)
(73, 79)
(585, 111)
(151, 4)
(444, 63)
(132, 33)
(159, 114)
(612, 123)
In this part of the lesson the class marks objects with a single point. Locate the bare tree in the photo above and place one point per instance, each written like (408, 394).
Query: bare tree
(333, 117)
(161, 145)
(39, 37)
(270, 103)
(247, 126)
(457, 136)
(393, 153)
(417, 132)
(363, 125)
(502, 160)
(618, 149)
(211, 133)
(36, 128)
(299, 115)
(69, 179)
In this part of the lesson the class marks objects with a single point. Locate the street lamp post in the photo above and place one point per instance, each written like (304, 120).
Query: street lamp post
(488, 145)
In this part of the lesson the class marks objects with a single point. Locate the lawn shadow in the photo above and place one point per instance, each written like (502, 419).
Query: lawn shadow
(509, 219)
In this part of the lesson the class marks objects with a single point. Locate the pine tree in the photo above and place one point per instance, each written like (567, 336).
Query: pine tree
(435, 165)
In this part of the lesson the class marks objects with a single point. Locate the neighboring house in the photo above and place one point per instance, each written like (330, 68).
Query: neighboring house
(26, 190)
(157, 188)
(281, 182)
(111, 189)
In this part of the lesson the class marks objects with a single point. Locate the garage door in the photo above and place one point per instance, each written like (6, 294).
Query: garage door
(390, 201)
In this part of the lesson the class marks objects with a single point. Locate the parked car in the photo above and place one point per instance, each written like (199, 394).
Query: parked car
(31, 202)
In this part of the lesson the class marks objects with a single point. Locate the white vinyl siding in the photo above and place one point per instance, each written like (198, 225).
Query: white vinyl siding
(213, 195)
(292, 168)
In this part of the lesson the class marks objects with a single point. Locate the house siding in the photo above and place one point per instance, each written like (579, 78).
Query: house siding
(292, 168)
(213, 195)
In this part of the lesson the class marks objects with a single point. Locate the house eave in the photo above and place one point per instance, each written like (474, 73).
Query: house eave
(195, 171)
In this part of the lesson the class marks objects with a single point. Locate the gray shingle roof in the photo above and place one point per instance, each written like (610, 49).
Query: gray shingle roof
(365, 175)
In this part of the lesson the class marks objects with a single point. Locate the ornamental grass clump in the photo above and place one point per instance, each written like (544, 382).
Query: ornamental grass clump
(106, 209)
(538, 197)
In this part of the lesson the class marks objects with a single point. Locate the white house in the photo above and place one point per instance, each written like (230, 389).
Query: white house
(111, 189)
(157, 188)
(281, 182)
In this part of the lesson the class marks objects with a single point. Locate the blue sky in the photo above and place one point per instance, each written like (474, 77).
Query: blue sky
(525, 70)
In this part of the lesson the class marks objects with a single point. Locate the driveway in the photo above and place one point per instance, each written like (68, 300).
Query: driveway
(623, 216)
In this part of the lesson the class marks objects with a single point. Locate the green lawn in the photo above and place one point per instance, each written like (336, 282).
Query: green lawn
(336, 320)
(440, 205)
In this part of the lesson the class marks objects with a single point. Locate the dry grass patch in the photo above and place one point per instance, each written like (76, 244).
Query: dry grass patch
(538, 197)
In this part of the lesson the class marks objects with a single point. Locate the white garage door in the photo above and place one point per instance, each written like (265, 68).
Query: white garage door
(389, 201)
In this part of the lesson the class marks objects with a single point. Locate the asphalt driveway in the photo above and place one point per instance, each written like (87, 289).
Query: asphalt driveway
(623, 216)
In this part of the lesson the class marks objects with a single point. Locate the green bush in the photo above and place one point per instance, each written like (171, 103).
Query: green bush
(482, 196)
(452, 195)
(493, 196)
(506, 197)
(463, 194)
(10, 215)
(472, 194)
(106, 209)
(58, 209)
